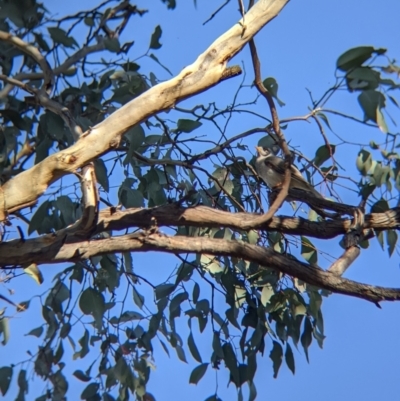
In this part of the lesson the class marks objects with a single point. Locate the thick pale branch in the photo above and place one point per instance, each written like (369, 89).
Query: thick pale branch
(64, 251)
(205, 72)
(87, 224)
(343, 263)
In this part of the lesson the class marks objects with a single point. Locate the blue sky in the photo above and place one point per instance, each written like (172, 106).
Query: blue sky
(299, 48)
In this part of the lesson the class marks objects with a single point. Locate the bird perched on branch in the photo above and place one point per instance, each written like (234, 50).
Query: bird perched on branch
(271, 170)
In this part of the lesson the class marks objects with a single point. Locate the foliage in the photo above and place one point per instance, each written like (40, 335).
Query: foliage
(100, 308)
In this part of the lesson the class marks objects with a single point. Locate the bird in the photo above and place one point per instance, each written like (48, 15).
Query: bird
(271, 170)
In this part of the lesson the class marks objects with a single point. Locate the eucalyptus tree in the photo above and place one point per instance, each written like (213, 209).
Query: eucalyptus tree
(101, 160)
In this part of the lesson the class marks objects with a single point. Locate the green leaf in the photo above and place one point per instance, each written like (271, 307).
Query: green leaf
(36, 332)
(127, 316)
(185, 125)
(197, 373)
(171, 4)
(155, 38)
(266, 294)
(136, 137)
(137, 297)
(60, 36)
(37, 219)
(184, 272)
(289, 358)
(65, 329)
(271, 86)
(90, 391)
(41, 42)
(181, 353)
(163, 290)
(81, 376)
(112, 45)
(193, 348)
(232, 314)
(240, 296)
(315, 303)
(231, 363)
(6, 373)
(84, 343)
(308, 251)
(223, 324)
(324, 118)
(363, 78)
(380, 206)
(5, 329)
(196, 293)
(128, 264)
(100, 170)
(22, 384)
(23, 306)
(33, 271)
(59, 353)
(151, 55)
(380, 239)
(211, 264)
(88, 21)
(213, 398)
(109, 274)
(323, 153)
(356, 57)
(371, 101)
(276, 355)
(216, 346)
(131, 198)
(92, 303)
(364, 162)
(391, 239)
(108, 397)
(252, 391)
(380, 120)
(66, 208)
(306, 337)
(60, 385)
(174, 306)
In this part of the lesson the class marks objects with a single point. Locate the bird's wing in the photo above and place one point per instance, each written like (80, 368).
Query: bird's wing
(296, 172)
(275, 163)
(298, 181)
(278, 165)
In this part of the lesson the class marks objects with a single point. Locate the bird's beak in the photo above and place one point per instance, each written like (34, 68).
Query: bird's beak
(259, 150)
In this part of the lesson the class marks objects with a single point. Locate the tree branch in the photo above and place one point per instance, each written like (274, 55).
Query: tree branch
(61, 251)
(112, 219)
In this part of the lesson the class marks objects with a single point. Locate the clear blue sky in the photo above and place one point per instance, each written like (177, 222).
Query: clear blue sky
(299, 48)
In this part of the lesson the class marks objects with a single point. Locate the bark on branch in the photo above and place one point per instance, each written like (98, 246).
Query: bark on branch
(111, 219)
(203, 216)
(61, 251)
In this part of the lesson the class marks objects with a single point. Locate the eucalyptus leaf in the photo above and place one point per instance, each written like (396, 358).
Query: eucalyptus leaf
(197, 373)
(155, 38)
(276, 355)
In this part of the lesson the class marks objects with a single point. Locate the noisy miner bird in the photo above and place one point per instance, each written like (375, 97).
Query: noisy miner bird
(271, 169)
